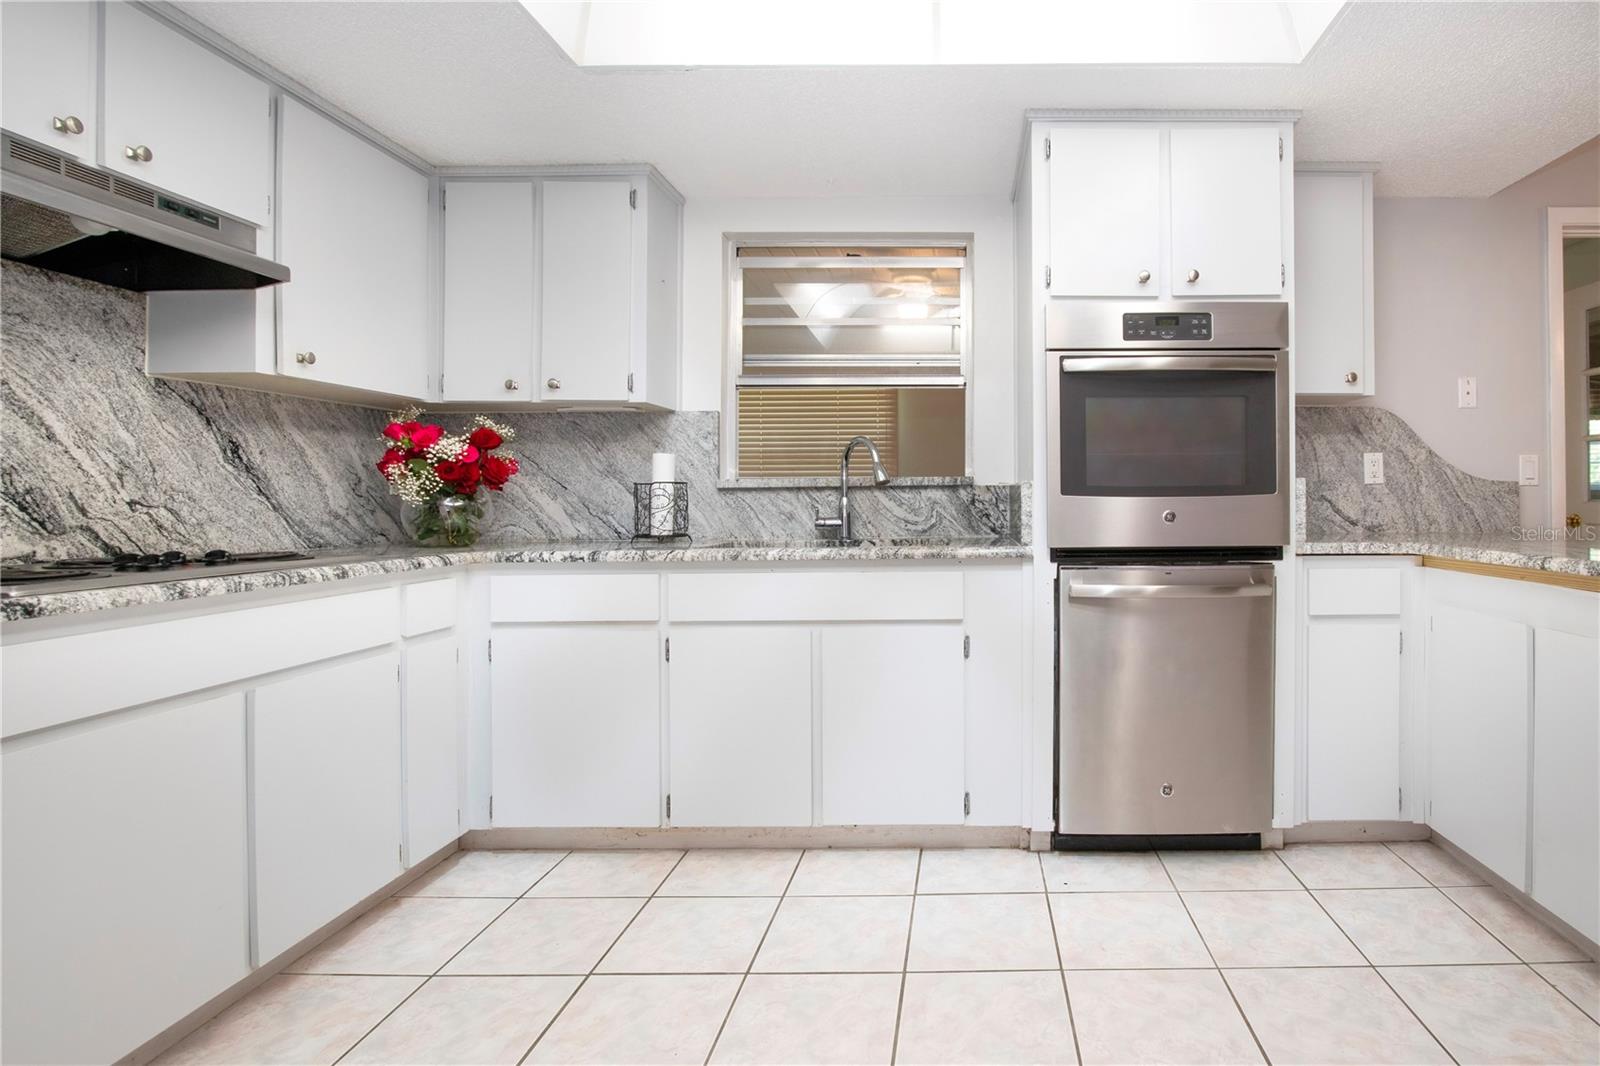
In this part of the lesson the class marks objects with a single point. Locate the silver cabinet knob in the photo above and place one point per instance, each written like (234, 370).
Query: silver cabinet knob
(1351, 378)
(70, 124)
(307, 358)
(553, 384)
(138, 153)
(511, 385)
(1194, 276)
(1144, 277)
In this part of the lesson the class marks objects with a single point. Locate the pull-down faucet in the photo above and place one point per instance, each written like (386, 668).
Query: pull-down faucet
(880, 476)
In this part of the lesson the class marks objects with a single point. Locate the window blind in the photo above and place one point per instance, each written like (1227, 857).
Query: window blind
(801, 432)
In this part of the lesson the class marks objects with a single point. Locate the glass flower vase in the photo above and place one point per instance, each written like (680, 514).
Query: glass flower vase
(448, 521)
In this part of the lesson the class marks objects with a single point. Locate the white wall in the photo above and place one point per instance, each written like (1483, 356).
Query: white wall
(988, 221)
(1459, 288)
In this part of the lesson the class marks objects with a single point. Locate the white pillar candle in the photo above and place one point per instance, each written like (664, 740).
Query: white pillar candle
(663, 468)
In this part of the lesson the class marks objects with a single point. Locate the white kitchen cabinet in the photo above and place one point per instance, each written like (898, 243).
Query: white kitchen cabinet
(1105, 211)
(740, 699)
(180, 117)
(1333, 314)
(327, 794)
(1565, 821)
(586, 298)
(1227, 211)
(353, 231)
(576, 725)
(1352, 673)
(48, 73)
(1478, 677)
(892, 724)
(432, 694)
(125, 880)
(489, 290)
(995, 701)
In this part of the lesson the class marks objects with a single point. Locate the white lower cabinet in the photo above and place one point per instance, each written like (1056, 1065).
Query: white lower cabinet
(1352, 720)
(740, 702)
(1565, 824)
(892, 724)
(432, 696)
(576, 725)
(327, 791)
(1478, 675)
(124, 878)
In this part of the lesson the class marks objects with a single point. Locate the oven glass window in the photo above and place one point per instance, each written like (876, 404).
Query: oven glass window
(1167, 433)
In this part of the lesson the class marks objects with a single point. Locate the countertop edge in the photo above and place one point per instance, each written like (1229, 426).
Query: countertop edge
(1490, 555)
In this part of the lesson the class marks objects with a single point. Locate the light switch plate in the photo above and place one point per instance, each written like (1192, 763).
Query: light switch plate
(1466, 392)
(1372, 468)
(1527, 469)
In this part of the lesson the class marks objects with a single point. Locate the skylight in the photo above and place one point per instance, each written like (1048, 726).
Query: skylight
(764, 33)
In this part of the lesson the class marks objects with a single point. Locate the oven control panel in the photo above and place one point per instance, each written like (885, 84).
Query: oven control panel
(1174, 327)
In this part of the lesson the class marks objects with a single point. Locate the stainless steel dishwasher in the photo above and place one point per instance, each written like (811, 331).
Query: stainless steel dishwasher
(1165, 699)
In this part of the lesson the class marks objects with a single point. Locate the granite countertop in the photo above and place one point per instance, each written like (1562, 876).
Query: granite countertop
(1566, 556)
(89, 594)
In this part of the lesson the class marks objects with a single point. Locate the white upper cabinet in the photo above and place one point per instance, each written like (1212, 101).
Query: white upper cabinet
(47, 74)
(1333, 313)
(179, 116)
(353, 231)
(489, 290)
(1105, 211)
(1227, 211)
(586, 266)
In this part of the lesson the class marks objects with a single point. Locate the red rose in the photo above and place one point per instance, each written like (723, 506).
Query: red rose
(469, 454)
(486, 439)
(390, 458)
(423, 436)
(497, 471)
(394, 431)
(462, 477)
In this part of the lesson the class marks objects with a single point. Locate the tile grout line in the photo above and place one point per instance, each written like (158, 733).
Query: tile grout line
(905, 960)
(1251, 1029)
(712, 1050)
(429, 978)
(1392, 990)
(585, 979)
(1055, 936)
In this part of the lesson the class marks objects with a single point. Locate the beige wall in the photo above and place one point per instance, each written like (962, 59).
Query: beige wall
(1459, 288)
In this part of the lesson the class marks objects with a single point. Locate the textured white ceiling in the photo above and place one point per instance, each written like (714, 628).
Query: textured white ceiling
(1453, 99)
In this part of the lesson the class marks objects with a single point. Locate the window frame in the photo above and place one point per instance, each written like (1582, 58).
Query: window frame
(733, 338)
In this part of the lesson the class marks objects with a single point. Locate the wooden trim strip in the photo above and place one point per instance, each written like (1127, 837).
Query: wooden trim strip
(1581, 582)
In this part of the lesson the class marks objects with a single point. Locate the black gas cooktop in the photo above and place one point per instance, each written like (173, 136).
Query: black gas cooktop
(51, 571)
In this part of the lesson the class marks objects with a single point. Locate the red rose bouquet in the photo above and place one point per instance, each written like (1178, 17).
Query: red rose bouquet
(440, 475)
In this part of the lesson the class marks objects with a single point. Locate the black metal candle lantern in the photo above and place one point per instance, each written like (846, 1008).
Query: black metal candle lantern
(660, 509)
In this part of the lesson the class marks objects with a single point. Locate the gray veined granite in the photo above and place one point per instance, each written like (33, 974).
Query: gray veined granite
(1576, 557)
(1420, 492)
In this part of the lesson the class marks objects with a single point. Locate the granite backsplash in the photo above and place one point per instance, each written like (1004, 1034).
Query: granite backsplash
(97, 456)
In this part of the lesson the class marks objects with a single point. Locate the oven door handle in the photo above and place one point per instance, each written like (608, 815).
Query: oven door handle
(1082, 591)
(1264, 364)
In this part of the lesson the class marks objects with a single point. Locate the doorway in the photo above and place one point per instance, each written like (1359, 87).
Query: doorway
(1572, 293)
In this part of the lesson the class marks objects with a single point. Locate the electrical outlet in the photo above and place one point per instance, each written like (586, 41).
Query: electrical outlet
(1527, 469)
(1466, 392)
(1372, 468)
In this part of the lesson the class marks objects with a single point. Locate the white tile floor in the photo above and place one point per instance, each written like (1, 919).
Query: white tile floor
(1321, 954)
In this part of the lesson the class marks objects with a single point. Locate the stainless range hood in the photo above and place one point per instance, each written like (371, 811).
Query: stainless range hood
(58, 214)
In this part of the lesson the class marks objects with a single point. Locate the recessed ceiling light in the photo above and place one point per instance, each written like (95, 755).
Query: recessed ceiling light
(747, 33)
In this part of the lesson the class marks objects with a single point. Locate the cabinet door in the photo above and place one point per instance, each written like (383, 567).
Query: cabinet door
(1105, 211)
(125, 879)
(1333, 284)
(488, 290)
(1566, 788)
(740, 729)
(327, 795)
(586, 284)
(353, 231)
(892, 725)
(206, 123)
(1478, 737)
(47, 74)
(432, 704)
(1353, 721)
(1227, 221)
(576, 723)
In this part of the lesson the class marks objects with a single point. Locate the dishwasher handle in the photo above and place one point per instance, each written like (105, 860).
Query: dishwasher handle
(1082, 591)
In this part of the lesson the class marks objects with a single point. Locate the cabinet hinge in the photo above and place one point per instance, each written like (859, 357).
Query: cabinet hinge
(458, 817)
(1283, 276)
(633, 199)
(1280, 149)
(491, 651)
(966, 646)
(441, 386)
(630, 382)
(400, 853)
(1047, 148)
(669, 805)
(966, 803)
(1047, 277)
(269, 203)
(443, 194)
(1400, 799)
(491, 807)
(667, 648)
(1402, 643)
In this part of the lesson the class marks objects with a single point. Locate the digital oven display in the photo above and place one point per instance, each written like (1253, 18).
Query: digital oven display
(1178, 327)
